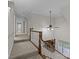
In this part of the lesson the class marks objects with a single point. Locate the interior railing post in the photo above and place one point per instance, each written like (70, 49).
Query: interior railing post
(30, 35)
(40, 38)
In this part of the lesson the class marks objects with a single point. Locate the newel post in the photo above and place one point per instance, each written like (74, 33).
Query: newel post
(40, 38)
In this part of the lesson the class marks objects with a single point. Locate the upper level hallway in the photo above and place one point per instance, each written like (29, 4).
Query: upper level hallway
(36, 27)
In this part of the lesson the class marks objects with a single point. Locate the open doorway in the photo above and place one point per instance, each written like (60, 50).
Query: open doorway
(19, 27)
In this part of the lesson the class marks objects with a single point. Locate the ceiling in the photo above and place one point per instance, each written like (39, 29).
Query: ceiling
(41, 7)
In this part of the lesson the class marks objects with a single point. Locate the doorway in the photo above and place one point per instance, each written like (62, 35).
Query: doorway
(19, 27)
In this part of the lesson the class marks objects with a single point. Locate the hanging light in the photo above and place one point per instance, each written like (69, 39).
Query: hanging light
(50, 26)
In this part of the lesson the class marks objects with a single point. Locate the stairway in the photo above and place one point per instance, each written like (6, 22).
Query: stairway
(51, 54)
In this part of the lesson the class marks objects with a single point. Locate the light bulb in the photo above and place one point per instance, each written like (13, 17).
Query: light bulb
(48, 29)
(52, 29)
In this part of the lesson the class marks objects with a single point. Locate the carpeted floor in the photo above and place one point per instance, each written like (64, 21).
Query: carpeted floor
(24, 50)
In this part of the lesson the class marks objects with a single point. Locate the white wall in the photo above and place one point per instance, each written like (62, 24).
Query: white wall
(63, 21)
(39, 23)
(63, 32)
(10, 30)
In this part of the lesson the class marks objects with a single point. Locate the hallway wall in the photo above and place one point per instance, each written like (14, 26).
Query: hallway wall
(10, 30)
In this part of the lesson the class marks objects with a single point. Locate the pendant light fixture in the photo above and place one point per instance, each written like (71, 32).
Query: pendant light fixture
(50, 25)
